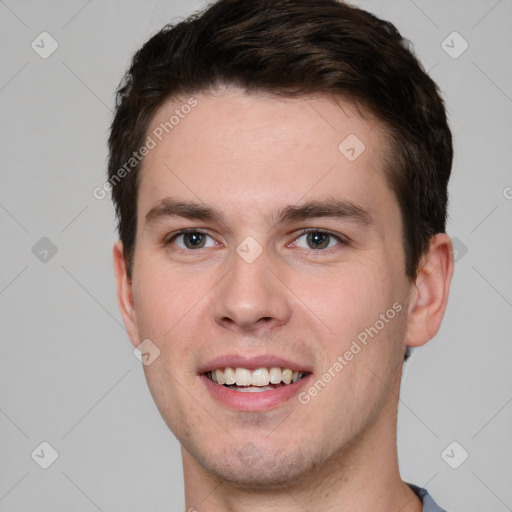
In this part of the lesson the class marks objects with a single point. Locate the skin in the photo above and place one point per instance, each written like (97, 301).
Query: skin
(250, 156)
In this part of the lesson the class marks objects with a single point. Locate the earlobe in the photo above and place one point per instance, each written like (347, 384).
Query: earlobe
(125, 293)
(429, 296)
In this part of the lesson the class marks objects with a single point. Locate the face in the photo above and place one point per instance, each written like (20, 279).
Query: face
(292, 259)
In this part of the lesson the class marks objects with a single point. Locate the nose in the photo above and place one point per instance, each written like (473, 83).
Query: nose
(252, 296)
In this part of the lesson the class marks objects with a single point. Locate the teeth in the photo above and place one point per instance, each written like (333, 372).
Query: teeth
(260, 378)
(229, 375)
(220, 377)
(254, 389)
(287, 376)
(275, 375)
(243, 377)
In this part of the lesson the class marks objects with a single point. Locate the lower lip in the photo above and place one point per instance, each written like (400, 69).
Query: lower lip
(253, 401)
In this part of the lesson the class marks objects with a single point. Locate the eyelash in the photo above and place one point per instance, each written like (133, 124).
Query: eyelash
(342, 240)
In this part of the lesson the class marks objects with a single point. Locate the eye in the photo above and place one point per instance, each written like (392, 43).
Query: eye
(191, 239)
(317, 239)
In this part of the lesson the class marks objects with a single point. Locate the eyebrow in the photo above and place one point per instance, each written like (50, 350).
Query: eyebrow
(330, 207)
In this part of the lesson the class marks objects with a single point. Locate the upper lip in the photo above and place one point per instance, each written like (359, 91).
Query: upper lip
(252, 363)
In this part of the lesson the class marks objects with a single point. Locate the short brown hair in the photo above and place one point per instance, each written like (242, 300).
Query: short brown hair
(292, 48)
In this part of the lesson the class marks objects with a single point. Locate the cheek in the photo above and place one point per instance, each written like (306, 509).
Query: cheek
(172, 311)
(167, 314)
(164, 297)
(345, 301)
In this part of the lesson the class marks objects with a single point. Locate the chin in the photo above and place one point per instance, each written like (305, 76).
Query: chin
(245, 467)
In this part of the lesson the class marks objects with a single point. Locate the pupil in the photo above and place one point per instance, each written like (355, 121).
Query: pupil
(318, 240)
(195, 239)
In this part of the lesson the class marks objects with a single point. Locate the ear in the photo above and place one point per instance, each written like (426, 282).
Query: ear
(430, 291)
(124, 294)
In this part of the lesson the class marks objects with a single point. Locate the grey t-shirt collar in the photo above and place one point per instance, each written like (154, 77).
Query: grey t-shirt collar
(429, 505)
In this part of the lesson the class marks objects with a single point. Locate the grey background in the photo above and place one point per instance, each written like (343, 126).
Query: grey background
(68, 373)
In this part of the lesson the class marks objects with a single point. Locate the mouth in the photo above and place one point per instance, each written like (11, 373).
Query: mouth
(257, 384)
(245, 380)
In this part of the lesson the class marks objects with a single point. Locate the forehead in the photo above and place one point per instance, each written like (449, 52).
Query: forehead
(260, 152)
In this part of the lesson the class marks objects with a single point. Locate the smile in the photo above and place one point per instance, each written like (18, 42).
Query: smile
(260, 379)
(262, 389)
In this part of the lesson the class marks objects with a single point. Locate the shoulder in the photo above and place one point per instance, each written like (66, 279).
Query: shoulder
(429, 505)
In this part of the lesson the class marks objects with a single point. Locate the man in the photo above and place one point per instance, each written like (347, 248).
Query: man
(279, 171)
